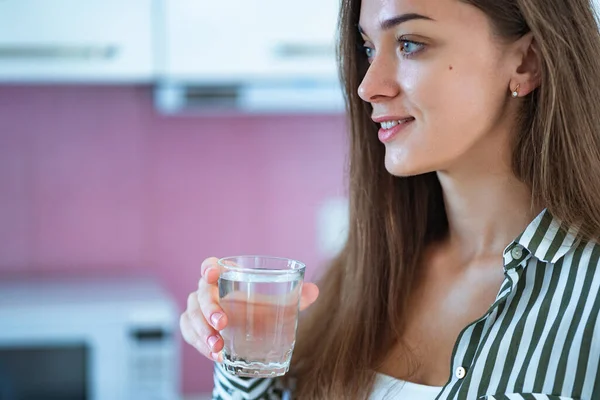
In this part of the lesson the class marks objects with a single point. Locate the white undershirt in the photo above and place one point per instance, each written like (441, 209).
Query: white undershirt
(388, 388)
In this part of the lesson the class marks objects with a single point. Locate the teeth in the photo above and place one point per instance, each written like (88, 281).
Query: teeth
(391, 124)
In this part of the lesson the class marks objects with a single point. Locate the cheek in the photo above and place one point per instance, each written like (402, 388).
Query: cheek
(455, 104)
(437, 99)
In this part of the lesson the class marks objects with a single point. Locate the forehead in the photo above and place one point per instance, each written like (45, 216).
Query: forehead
(373, 12)
(386, 6)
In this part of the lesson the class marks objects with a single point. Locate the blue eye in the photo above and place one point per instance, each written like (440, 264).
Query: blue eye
(408, 47)
(369, 52)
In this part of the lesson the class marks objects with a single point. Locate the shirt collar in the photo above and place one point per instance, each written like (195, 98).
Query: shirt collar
(547, 238)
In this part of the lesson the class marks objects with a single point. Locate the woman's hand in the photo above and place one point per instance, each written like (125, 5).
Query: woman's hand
(204, 318)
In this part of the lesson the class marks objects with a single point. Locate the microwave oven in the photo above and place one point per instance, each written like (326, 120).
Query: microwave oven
(88, 339)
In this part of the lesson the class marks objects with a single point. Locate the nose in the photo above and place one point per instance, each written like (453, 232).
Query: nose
(379, 83)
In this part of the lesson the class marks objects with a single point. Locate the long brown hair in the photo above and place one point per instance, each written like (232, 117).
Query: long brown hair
(367, 289)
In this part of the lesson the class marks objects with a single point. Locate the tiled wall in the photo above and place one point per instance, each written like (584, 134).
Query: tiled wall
(91, 179)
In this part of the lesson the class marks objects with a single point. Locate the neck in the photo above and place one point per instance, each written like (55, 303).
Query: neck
(486, 205)
(485, 215)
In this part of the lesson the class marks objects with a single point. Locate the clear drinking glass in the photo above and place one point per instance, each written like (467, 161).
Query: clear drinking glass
(260, 296)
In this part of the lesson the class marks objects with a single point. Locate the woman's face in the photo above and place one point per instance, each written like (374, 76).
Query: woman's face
(436, 67)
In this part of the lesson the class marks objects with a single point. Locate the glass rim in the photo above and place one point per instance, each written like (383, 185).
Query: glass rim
(298, 266)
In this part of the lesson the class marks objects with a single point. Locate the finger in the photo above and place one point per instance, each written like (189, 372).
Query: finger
(211, 275)
(211, 310)
(310, 292)
(192, 338)
(210, 261)
(188, 333)
(199, 324)
(192, 302)
(207, 338)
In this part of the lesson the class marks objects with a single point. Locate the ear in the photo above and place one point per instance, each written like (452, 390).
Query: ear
(527, 72)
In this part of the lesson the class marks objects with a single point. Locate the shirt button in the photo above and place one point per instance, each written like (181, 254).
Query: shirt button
(516, 252)
(461, 372)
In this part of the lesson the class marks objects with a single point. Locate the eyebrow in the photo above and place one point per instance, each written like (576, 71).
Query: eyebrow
(392, 22)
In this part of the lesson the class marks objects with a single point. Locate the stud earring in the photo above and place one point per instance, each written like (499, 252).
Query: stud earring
(515, 93)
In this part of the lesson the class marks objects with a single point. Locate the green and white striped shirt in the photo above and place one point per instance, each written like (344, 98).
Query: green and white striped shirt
(540, 339)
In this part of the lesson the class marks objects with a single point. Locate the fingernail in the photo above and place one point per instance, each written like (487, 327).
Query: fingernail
(212, 341)
(215, 319)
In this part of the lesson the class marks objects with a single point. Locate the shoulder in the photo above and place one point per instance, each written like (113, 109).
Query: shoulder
(584, 255)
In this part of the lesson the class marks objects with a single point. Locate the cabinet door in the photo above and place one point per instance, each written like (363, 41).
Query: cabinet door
(302, 39)
(76, 41)
(215, 41)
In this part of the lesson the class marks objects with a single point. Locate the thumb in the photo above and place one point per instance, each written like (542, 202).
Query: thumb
(310, 292)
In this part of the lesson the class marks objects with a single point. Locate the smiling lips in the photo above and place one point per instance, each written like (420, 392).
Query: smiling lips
(391, 126)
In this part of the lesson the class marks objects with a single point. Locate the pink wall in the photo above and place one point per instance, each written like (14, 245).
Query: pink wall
(91, 179)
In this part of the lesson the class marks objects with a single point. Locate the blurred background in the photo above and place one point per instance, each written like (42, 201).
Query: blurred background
(137, 138)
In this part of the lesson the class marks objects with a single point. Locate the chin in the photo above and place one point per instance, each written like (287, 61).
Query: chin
(403, 172)
(405, 168)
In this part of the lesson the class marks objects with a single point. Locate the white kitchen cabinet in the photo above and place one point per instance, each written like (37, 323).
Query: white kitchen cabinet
(249, 56)
(236, 40)
(75, 41)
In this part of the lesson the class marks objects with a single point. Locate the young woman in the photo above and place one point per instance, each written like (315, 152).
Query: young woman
(471, 267)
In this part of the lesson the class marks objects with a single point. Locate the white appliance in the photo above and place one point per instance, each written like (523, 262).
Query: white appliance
(84, 339)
